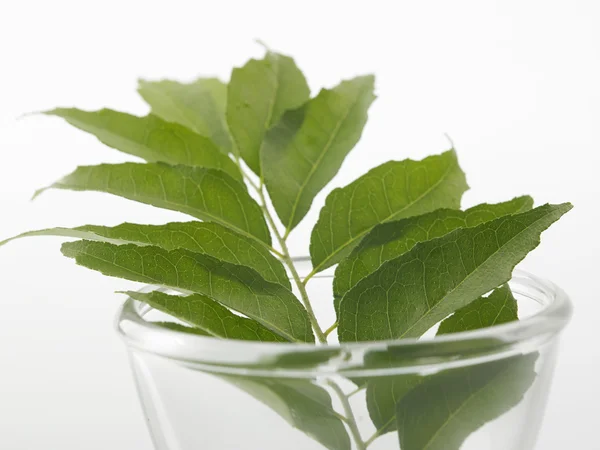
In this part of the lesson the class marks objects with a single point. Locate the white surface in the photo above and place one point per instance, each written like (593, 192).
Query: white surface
(516, 84)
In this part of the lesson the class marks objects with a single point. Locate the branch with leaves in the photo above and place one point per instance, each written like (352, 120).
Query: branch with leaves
(407, 256)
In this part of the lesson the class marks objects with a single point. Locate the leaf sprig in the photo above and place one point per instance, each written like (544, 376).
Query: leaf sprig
(407, 256)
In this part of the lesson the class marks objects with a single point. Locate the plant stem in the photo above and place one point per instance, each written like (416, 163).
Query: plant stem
(372, 438)
(238, 163)
(349, 417)
(331, 328)
(349, 414)
(309, 276)
(354, 392)
(276, 252)
(287, 259)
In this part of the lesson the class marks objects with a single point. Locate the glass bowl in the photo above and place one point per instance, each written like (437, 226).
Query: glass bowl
(476, 390)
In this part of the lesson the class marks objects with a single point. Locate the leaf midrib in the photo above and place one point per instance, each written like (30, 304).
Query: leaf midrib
(261, 320)
(506, 298)
(468, 277)
(393, 418)
(211, 217)
(226, 332)
(267, 122)
(462, 406)
(316, 164)
(388, 218)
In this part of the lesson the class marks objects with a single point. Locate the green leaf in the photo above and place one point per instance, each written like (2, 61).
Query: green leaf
(303, 152)
(302, 404)
(391, 191)
(442, 411)
(408, 295)
(207, 238)
(237, 287)
(206, 194)
(257, 95)
(392, 239)
(207, 315)
(384, 393)
(150, 138)
(497, 308)
(199, 106)
(382, 396)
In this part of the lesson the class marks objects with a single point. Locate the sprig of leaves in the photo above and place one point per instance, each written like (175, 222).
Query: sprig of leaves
(407, 256)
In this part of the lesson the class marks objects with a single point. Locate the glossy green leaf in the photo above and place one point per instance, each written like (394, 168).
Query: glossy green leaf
(257, 95)
(442, 411)
(150, 138)
(199, 106)
(391, 191)
(237, 287)
(208, 315)
(408, 295)
(206, 194)
(392, 239)
(497, 308)
(207, 238)
(384, 393)
(300, 403)
(306, 148)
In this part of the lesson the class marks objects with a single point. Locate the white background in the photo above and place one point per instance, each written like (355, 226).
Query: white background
(515, 83)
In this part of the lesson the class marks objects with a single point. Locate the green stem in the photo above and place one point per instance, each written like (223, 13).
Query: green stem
(331, 328)
(349, 417)
(354, 392)
(372, 438)
(244, 174)
(287, 259)
(349, 414)
(276, 252)
(309, 276)
(257, 188)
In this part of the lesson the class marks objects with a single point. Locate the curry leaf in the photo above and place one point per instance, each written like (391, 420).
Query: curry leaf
(306, 148)
(208, 315)
(237, 287)
(442, 411)
(206, 194)
(392, 239)
(199, 106)
(149, 138)
(391, 191)
(302, 404)
(408, 295)
(257, 95)
(497, 308)
(208, 238)
(384, 393)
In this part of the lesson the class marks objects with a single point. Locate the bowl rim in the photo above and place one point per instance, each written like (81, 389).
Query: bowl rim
(354, 358)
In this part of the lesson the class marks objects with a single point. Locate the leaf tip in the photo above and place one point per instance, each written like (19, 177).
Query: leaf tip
(39, 192)
(29, 114)
(450, 141)
(566, 207)
(128, 293)
(263, 45)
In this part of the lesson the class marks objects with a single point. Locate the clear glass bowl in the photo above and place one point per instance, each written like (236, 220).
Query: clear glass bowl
(478, 390)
